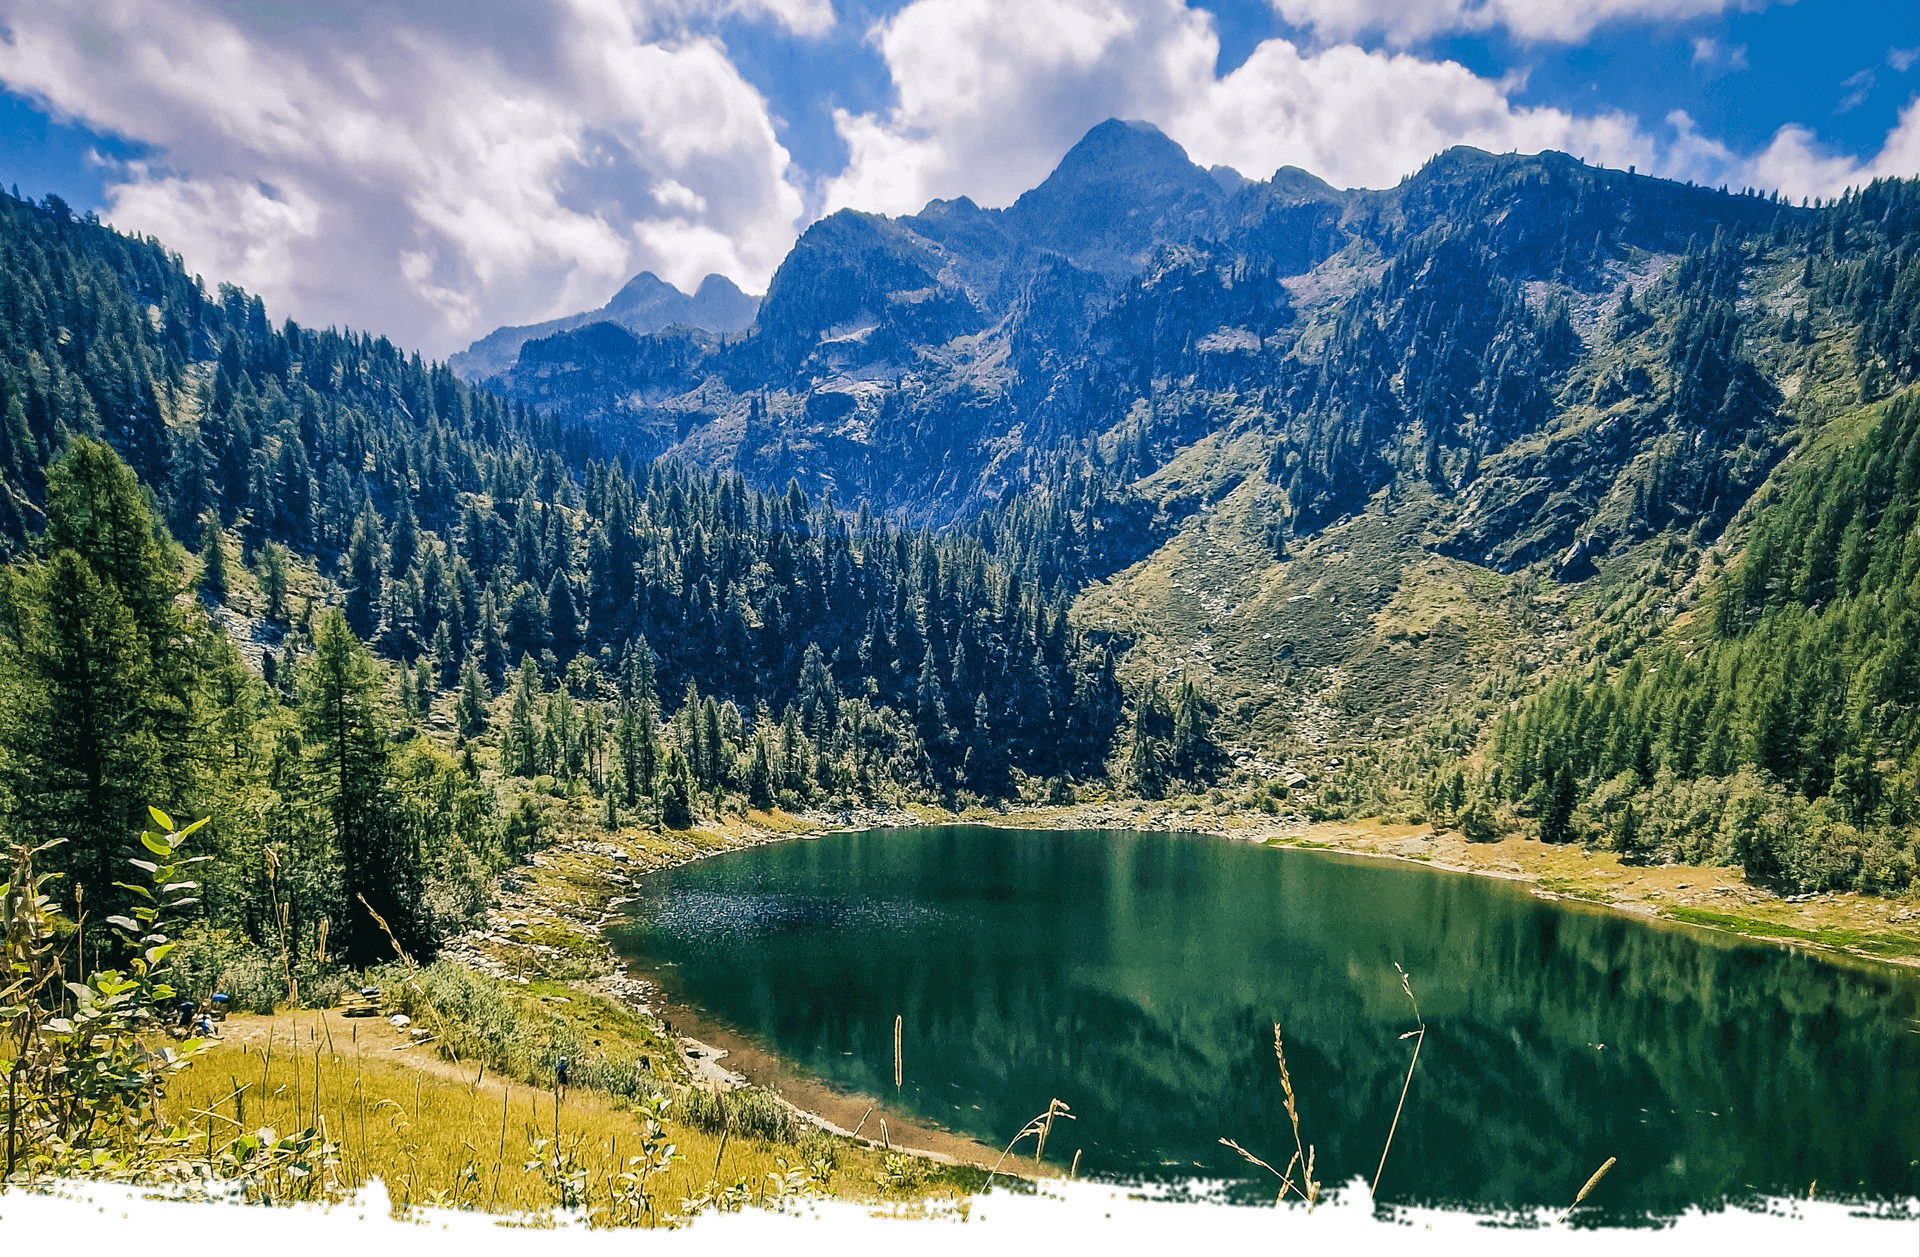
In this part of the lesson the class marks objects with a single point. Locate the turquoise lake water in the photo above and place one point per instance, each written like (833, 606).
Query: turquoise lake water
(1138, 977)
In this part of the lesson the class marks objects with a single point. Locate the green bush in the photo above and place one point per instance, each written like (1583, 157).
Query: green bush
(749, 1111)
(1476, 822)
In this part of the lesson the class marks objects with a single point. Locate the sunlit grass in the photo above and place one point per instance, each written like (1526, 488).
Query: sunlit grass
(451, 1134)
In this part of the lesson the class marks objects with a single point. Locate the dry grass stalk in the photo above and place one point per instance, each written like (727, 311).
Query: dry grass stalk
(280, 925)
(1287, 1183)
(1419, 1038)
(1302, 1153)
(1040, 1127)
(1595, 1182)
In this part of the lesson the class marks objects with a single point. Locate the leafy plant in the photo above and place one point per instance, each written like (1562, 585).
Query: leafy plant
(86, 1080)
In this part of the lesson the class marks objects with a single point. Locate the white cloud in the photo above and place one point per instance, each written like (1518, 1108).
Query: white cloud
(1797, 163)
(428, 171)
(1858, 87)
(1717, 58)
(991, 92)
(1365, 119)
(1405, 22)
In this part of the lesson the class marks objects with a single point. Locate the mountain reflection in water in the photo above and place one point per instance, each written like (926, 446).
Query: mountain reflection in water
(1138, 977)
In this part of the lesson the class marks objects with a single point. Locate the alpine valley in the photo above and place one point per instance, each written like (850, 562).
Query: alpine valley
(1524, 497)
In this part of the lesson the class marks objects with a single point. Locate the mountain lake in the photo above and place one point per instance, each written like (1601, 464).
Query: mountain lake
(1138, 978)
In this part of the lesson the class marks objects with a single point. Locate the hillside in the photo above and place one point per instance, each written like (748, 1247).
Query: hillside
(1374, 441)
(1212, 477)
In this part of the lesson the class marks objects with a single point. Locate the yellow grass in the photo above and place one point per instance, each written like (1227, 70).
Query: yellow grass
(436, 1132)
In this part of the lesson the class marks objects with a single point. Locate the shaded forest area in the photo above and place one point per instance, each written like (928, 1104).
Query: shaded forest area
(1787, 744)
(419, 555)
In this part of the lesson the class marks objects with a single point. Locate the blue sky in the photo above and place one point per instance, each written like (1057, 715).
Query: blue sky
(436, 170)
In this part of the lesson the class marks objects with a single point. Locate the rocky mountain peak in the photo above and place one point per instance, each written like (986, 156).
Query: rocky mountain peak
(645, 304)
(1124, 189)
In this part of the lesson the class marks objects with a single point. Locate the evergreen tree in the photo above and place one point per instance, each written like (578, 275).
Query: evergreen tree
(81, 762)
(760, 776)
(346, 740)
(1196, 752)
(493, 644)
(213, 557)
(637, 748)
(520, 748)
(819, 697)
(1147, 767)
(1556, 812)
(563, 622)
(676, 794)
(471, 711)
(446, 667)
(717, 753)
(403, 543)
(364, 575)
(274, 577)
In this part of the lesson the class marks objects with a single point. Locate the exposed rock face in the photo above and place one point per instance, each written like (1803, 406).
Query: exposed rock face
(931, 363)
(646, 304)
(1508, 362)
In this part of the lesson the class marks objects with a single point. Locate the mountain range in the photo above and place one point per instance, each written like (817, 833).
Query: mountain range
(1304, 402)
(1525, 489)
(646, 303)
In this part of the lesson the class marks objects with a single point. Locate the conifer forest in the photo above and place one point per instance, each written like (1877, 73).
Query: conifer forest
(1525, 499)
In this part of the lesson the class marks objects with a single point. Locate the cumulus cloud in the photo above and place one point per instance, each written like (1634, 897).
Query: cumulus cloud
(989, 93)
(1538, 21)
(1796, 162)
(428, 171)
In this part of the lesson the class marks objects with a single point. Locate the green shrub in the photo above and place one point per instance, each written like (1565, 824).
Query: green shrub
(750, 1111)
(1476, 822)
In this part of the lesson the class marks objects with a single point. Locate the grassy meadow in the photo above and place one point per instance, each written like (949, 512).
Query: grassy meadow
(459, 1134)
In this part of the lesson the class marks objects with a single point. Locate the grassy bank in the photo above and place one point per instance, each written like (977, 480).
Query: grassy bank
(459, 1133)
(1871, 927)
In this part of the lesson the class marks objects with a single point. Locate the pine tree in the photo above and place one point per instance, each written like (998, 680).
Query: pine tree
(274, 577)
(80, 760)
(493, 644)
(718, 755)
(1196, 753)
(213, 557)
(1147, 767)
(446, 668)
(636, 748)
(471, 710)
(676, 794)
(403, 543)
(563, 622)
(520, 747)
(364, 575)
(819, 697)
(346, 741)
(759, 776)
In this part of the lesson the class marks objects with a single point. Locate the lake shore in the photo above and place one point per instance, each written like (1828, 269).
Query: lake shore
(550, 917)
(1842, 924)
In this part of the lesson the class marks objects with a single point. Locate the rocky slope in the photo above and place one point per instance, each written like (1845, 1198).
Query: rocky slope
(646, 304)
(1355, 419)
